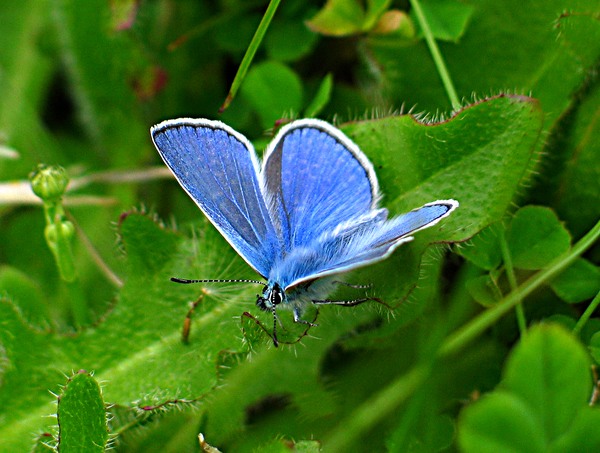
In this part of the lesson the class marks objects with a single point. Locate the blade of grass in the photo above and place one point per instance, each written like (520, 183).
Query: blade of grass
(102, 266)
(250, 52)
(512, 280)
(436, 55)
(376, 408)
(587, 314)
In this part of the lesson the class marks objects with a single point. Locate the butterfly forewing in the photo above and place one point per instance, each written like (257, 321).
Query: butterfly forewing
(316, 179)
(218, 168)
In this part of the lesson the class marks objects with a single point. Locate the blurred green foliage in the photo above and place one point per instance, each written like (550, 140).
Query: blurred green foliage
(457, 362)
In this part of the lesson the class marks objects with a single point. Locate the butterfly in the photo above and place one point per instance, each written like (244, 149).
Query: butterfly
(308, 212)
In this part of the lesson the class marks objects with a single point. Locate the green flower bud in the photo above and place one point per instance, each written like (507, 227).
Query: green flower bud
(55, 232)
(49, 182)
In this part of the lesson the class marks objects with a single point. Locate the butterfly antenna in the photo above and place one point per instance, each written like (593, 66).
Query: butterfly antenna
(275, 342)
(212, 280)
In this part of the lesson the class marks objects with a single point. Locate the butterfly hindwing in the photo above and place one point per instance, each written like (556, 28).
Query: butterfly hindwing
(406, 224)
(218, 168)
(367, 243)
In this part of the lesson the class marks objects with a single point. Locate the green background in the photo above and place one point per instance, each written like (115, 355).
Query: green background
(487, 336)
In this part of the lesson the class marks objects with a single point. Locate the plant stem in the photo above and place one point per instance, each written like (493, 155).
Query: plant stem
(436, 55)
(250, 52)
(586, 314)
(78, 303)
(464, 335)
(512, 281)
(376, 408)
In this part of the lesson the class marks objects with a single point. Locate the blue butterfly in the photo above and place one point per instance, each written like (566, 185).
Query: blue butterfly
(309, 211)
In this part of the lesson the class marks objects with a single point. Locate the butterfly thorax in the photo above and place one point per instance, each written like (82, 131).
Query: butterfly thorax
(298, 264)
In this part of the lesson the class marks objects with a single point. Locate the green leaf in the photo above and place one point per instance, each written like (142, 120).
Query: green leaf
(542, 404)
(536, 237)
(274, 90)
(591, 327)
(586, 437)
(576, 173)
(250, 52)
(418, 163)
(500, 421)
(496, 54)
(235, 35)
(484, 249)
(289, 40)
(137, 348)
(415, 169)
(347, 17)
(447, 19)
(25, 293)
(321, 98)
(579, 282)
(595, 347)
(338, 18)
(82, 416)
(148, 248)
(550, 371)
(563, 320)
(484, 290)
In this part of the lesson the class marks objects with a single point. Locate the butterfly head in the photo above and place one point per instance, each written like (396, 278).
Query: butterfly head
(272, 296)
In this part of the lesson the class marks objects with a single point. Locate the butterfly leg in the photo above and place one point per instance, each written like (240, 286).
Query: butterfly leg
(187, 322)
(350, 285)
(299, 320)
(343, 303)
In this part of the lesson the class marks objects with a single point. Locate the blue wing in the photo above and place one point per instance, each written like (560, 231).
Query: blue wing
(315, 179)
(218, 168)
(372, 239)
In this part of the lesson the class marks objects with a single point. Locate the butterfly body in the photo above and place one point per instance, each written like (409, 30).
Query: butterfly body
(296, 298)
(309, 212)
